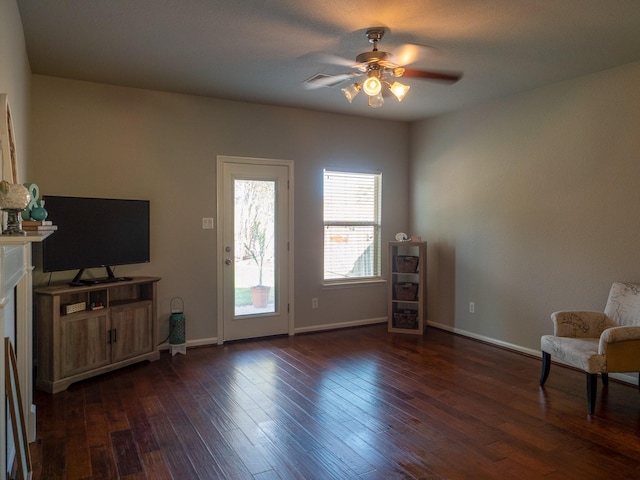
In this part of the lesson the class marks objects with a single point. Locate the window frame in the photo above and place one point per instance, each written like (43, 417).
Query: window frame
(376, 223)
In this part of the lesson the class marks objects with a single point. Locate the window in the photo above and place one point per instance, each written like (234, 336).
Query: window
(351, 225)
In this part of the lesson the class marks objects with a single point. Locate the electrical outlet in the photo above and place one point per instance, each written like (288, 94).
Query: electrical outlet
(207, 223)
(472, 307)
(314, 303)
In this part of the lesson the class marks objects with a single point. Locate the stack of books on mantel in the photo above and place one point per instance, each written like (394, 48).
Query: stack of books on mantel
(38, 226)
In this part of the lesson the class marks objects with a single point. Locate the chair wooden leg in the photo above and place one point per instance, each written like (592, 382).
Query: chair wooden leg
(546, 366)
(592, 388)
(605, 379)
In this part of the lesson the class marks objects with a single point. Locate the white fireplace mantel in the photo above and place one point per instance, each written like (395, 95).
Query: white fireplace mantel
(15, 276)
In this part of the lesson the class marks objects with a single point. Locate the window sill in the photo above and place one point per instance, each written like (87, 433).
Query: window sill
(354, 283)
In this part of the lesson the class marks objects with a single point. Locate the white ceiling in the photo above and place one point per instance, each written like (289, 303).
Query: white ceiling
(263, 50)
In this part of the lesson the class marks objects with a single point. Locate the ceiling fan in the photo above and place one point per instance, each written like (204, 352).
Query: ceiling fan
(380, 70)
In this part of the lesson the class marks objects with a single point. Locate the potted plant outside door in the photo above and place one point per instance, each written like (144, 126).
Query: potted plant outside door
(257, 250)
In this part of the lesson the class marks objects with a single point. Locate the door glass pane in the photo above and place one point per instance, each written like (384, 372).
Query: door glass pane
(254, 220)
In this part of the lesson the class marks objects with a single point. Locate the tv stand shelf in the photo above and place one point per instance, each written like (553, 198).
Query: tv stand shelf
(94, 329)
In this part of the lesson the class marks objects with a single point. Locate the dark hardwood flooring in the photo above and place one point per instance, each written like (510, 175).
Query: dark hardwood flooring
(350, 404)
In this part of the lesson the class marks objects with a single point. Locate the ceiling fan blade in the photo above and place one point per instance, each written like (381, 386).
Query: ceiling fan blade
(330, 59)
(430, 75)
(409, 53)
(324, 80)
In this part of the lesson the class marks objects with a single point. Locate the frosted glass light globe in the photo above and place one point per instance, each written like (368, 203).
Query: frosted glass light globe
(372, 86)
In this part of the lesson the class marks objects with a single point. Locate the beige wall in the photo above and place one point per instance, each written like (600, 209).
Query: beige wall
(15, 76)
(98, 140)
(530, 204)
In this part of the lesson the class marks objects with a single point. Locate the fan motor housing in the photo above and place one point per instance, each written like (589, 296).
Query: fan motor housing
(375, 34)
(372, 57)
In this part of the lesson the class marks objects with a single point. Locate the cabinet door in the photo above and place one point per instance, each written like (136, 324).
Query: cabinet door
(83, 342)
(132, 330)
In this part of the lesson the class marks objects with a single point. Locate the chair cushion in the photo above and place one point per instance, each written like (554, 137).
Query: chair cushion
(580, 323)
(578, 352)
(623, 305)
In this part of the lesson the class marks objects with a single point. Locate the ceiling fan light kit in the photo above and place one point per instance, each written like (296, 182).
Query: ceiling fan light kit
(351, 91)
(372, 85)
(378, 67)
(376, 101)
(398, 89)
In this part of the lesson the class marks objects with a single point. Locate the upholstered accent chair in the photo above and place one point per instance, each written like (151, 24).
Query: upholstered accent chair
(597, 342)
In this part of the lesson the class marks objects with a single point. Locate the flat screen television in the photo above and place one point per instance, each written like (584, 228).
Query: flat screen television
(95, 232)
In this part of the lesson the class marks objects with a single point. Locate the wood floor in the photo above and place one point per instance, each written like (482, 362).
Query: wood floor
(351, 404)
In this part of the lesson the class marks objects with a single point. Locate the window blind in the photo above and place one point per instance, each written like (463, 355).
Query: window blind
(351, 225)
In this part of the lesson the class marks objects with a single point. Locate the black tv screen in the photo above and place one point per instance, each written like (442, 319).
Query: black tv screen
(95, 232)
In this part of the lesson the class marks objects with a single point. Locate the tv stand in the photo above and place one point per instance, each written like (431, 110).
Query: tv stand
(110, 278)
(94, 329)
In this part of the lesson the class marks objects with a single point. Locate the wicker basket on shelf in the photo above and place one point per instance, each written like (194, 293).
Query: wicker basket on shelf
(407, 292)
(405, 319)
(406, 264)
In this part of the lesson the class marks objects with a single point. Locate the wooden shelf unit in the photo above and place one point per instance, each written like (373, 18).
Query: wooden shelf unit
(117, 327)
(407, 287)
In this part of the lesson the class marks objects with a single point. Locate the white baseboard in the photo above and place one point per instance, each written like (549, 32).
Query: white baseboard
(315, 328)
(622, 377)
(493, 341)
(335, 326)
(201, 342)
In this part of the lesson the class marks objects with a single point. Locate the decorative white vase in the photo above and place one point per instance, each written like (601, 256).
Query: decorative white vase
(14, 198)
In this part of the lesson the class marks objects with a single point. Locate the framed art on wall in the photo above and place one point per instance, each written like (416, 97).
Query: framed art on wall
(7, 142)
(22, 463)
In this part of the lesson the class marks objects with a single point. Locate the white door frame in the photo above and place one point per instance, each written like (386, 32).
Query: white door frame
(221, 160)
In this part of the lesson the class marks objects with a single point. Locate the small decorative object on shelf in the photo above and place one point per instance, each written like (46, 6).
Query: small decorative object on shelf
(401, 237)
(14, 198)
(38, 226)
(35, 210)
(97, 299)
(407, 286)
(39, 213)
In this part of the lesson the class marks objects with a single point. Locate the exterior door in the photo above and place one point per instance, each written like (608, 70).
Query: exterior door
(254, 242)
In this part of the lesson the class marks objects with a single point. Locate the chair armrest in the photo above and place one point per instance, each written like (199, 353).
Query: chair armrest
(582, 324)
(618, 334)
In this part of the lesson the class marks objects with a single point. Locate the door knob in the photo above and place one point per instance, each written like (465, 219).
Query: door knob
(228, 261)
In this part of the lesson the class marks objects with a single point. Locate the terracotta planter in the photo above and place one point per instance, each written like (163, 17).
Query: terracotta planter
(260, 296)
